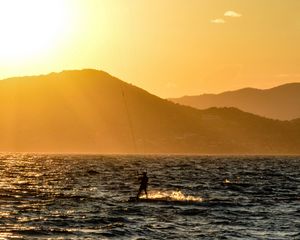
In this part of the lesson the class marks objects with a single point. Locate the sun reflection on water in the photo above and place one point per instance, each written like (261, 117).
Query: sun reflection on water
(171, 196)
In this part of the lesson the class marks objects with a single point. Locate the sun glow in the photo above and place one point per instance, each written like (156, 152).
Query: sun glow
(31, 28)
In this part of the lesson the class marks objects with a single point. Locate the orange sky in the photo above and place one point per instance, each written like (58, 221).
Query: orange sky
(168, 47)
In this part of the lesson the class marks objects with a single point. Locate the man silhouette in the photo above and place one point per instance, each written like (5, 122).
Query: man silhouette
(144, 185)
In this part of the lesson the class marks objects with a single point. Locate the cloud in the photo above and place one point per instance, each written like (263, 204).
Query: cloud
(232, 14)
(218, 21)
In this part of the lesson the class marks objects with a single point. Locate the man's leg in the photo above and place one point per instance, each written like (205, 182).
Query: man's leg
(139, 193)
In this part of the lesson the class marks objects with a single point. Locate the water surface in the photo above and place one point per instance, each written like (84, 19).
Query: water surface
(85, 197)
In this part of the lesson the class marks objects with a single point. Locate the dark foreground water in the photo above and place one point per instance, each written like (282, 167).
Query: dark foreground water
(85, 197)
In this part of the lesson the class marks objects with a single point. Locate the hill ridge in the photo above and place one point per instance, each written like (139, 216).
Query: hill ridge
(90, 111)
(280, 102)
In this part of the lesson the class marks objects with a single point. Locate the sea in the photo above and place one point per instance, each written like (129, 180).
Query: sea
(46, 196)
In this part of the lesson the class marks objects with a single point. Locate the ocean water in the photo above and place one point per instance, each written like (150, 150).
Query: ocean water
(191, 197)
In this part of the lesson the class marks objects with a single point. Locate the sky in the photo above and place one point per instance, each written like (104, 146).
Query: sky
(170, 48)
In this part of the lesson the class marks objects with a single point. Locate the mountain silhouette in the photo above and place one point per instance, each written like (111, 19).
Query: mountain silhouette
(90, 111)
(280, 102)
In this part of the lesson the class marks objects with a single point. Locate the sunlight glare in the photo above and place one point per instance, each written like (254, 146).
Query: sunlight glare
(171, 196)
(31, 28)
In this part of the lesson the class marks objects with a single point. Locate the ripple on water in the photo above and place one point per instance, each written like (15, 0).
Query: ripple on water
(76, 197)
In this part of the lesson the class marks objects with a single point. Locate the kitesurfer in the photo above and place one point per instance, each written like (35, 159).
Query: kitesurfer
(144, 184)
